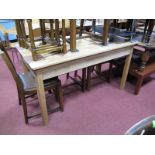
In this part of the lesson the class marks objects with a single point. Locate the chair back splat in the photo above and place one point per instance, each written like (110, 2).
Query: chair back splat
(9, 64)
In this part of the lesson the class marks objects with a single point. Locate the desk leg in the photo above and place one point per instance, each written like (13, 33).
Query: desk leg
(41, 97)
(126, 70)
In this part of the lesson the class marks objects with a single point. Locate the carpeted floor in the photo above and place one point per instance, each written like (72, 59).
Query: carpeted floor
(105, 109)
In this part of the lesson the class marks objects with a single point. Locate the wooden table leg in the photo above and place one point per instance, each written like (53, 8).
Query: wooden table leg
(126, 69)
(41, 97)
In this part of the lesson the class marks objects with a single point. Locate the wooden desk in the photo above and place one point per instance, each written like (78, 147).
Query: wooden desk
(89, 53)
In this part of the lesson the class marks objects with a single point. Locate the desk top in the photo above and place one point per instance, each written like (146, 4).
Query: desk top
(86, 47)
(147, 45)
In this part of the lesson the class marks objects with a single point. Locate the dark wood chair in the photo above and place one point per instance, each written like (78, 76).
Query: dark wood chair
(143, 127)
(97, 67)
(142, 65)
(146, 66)
(86, 72)
(79, 80)
(26, 86)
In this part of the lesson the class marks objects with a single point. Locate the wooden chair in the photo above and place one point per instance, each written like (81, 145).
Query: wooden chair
(142, 65)
(53, 32)
(98, 67)
(79, 80)
(122, 23)
(146, 66)
(105, 34)
(53, 43)
(86, 77)
(7, 44)
(26, 86)
(86, 29)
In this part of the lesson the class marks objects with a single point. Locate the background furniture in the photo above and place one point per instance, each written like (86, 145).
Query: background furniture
(79, 80)
(142, 64)
(103, 37)
(146, 67)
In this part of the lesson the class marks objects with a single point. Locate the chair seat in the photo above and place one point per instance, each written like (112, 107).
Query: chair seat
(29, 83)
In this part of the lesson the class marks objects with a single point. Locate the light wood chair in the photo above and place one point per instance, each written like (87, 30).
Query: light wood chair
(87, 29)
(50, 44)
(21, 33)
(26, 86)
(53, 31)
(54, 44)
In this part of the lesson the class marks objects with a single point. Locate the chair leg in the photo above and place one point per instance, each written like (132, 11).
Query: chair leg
(60, 93)
(67, 76)
(98, 69)
(138, 85)
(24, 107)
(19, 98)
(56, 94)
(49, 91)
(110, 72)
(83, 79)
(89, 70)
(75, 73)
